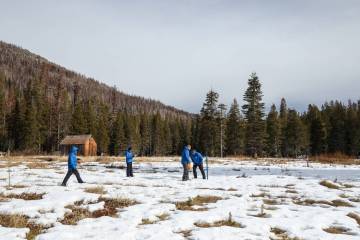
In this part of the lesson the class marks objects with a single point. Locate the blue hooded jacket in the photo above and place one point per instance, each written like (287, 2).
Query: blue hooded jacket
(185, 156)
(197, 158)
(129, 156)
(72, 160)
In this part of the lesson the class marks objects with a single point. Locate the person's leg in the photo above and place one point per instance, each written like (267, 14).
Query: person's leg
(78, 176)
(201, 167)
(131, 170)
(127, 169)
(194, 170)
(184, 173)
(68, 175)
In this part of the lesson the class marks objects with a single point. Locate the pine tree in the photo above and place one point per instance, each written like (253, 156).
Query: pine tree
(273, 133)
(185, 133)
(175, 138)
(337, 133)
(145, 135)
(156, 133)
(253, 111)
(3, 133)
(283, 121)
(234, 134)
(166, 138)
(195, 132)
(90, 118)
(78, 121)
(102, 138)
(16, 126)
(295, 130)
(117, 139)
(31, 128)
(317, 129)
(352, 130)
(209, 128)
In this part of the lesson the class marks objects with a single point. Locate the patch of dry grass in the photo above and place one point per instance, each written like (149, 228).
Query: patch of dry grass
(21, 221)
(333, 203)
(161, 217)
(334, 158)
(281, 234)
(337, 230)
(96, 190)
(185, 233)
(227, 222)
(147, 221)
(19, 186)
(38, 165)
(329, 184)
(262, 194)
(110, 209)
(354, 216)
(271, 202)
(197, 201)
(24, 196)
(291, 191)
(76, 214)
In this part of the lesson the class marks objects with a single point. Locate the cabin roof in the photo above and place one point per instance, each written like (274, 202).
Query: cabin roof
(75, 139)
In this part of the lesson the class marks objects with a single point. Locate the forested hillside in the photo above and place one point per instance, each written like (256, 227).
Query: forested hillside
(40, 102)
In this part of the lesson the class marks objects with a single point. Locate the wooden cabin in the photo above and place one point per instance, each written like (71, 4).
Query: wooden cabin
(85, 143)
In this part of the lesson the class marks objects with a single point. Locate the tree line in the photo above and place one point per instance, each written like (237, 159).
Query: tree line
(32, 121)
(282, 132)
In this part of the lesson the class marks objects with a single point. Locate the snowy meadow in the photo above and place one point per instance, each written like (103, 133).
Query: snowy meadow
(241, 200)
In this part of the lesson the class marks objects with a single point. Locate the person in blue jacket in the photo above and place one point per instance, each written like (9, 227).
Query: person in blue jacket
(197, 159)
(72, 166)
(185, 160)
(129, 157)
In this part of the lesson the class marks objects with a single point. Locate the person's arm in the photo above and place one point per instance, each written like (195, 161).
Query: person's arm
(72, 160)
(187, 154)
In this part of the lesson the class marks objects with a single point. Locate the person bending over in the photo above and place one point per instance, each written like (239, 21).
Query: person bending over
(197, 159)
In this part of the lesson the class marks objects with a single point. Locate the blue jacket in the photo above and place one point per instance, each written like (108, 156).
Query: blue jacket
(72, 159)
(197, 158)
(129, 156)
(185, 156)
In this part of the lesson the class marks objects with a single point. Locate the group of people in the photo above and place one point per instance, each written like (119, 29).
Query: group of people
(188, 156)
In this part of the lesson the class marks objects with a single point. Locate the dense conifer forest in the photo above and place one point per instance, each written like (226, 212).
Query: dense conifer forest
(41, 102)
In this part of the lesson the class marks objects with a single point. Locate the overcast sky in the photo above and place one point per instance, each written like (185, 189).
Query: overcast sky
(307, 51)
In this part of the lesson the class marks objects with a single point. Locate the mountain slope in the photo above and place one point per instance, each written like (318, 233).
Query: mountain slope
(20, 66)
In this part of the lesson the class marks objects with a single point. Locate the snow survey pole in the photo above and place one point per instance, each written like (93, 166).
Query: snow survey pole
(9, 170)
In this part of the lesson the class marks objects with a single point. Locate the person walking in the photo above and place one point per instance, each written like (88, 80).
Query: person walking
(129, 157)
(197, 159)
(72, 166)
(185, 160)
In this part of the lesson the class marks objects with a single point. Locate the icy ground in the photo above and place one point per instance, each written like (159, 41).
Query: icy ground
(283, 201)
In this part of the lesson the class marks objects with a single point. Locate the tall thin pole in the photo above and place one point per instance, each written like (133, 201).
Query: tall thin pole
(221, 137)
(222, 108)
(9, 171)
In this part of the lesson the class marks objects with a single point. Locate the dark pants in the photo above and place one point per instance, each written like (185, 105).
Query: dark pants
(68, 175)
(201, 167)
(186, 173)
(129, 170)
